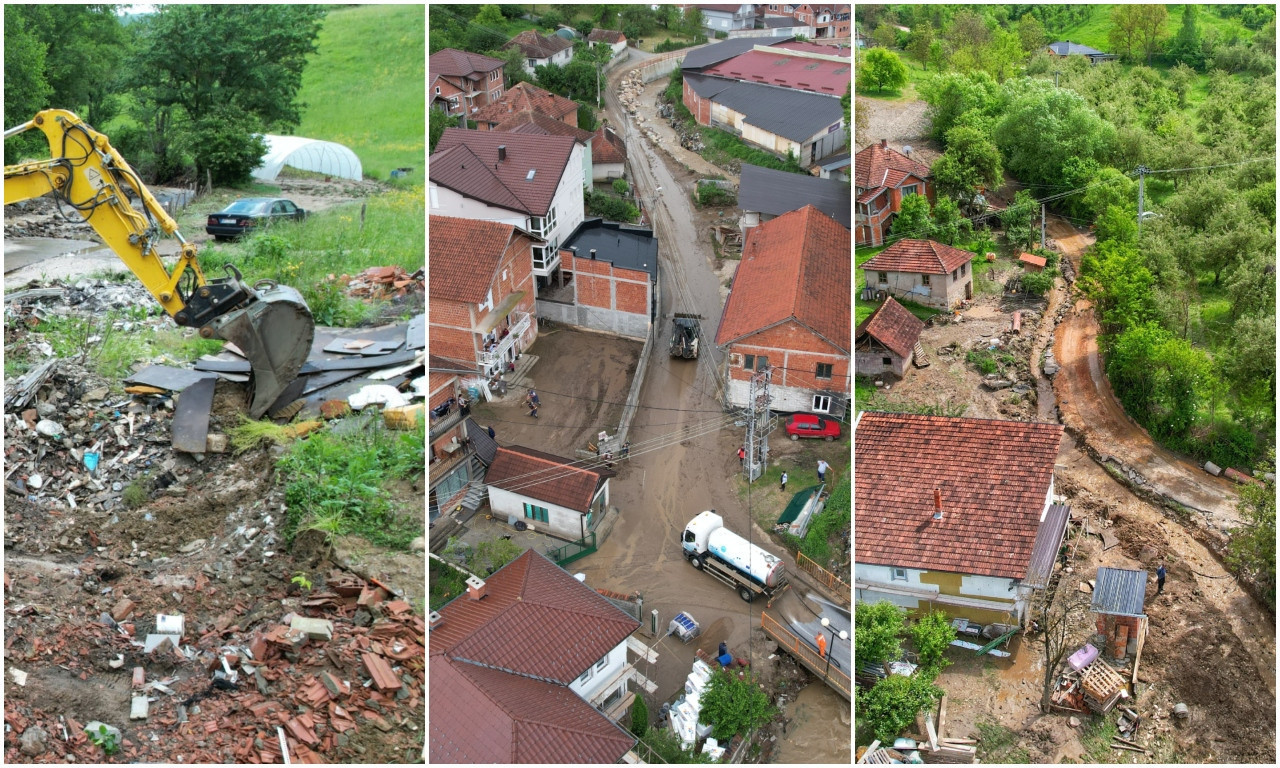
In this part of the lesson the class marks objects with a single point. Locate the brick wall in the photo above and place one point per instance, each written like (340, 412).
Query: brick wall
(794, 352)
(453, 343)
(700, 107)
(442, 386)
(600, 284)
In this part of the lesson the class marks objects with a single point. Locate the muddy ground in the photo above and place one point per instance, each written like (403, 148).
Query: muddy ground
(1210, 644)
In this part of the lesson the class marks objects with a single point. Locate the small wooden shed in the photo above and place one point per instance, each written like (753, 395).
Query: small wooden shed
(1031, 262)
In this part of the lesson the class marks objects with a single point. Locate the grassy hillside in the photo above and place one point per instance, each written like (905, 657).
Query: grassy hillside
(366, 87)
(1093, 31)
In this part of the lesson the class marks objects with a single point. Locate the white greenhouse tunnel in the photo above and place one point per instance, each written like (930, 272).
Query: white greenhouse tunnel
(327, 157)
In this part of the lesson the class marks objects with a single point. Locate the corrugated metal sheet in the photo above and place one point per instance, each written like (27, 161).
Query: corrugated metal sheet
(1045, 550)
(795, 115)
(1119, 591)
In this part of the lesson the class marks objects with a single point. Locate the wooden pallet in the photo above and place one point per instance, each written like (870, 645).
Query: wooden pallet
(919, 359)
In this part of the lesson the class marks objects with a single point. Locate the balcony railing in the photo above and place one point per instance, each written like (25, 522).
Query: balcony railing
(494, 357)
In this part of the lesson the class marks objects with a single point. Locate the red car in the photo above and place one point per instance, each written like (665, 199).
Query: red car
(807, 425)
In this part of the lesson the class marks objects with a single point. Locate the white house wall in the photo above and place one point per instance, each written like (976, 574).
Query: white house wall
(446, 202)
(606, 171)
(568, 201)
(561, 521)
(594, 689)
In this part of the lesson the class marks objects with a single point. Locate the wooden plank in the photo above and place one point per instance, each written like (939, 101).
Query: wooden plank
(959, 741)
(933, 735)
(942, 717)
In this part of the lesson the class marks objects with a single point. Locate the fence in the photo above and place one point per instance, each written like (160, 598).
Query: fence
(574, 550)
(789, 642)
(826, 578)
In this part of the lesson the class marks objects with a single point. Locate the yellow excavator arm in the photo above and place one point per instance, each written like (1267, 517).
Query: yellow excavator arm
(270, 323)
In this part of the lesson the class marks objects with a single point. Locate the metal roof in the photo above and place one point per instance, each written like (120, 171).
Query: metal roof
(777, 192)
(713, 54)
(795, 115)
(1119, 591)
(622, 245)
(1045, 551)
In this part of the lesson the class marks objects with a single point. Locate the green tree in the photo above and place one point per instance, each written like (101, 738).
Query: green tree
(913, 219)
(490, 16)
(969, 39)
(1160, 379)
(921, 39)
(932, 635)
(1110, 188)
(1152, 28)
(970, 163)
(86, 45)
(1180, 79)
(669, 16)
(892, 703)
(694, 21)
(639, 718)
(250, 64)
(948, 224)
(437, 121)
(1004, 55)
(1125, 21)
(952, 96)
(1253, 545)
(876, 628)
(663, 745)
(26, 89)
(885, 35)
(1044, 127)
(733, 704)
(1186, 45)
(513, 70)
(1119, 224)
(1031, 33)
(882, 68)
(551, 20)
(937, 55)
(1017, 217)
(846, 103)
(1115, 276)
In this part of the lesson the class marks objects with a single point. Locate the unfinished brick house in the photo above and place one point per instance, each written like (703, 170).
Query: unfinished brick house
(882, 177)
(609, 280)
(885, 342)
(482, 310)
(922, 271)
(463, 82)
(788, 310)
(942, 526)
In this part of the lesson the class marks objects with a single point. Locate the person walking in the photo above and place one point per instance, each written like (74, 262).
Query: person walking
(1160, 574)
(823, 466)
(533, 410)
(626, 449)
(822, 646)
(533, 397)
(742, 456)
(784, 482)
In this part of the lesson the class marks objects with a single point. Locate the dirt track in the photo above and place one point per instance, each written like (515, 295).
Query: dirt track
(1089, 408)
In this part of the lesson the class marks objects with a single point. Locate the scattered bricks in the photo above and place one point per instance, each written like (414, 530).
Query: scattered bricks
(138, 710)
(316, 629)
(334, 409)
(122, 609)
(139, 677)
(299, 730)
(215, 444)
(397, 607)
(372, 595)
(258, 647)
(260, 681)
(335, 686)
(383, 678)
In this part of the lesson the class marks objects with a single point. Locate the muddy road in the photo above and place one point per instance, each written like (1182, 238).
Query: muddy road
(1090, 409)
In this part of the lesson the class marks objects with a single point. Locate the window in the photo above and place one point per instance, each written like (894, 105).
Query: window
(494, 75)
(824, 371)
(762, 362)
(586, 675)
(882, 277)
(924, 279)
(533, 512)
(542, 225)
(601, 664)
(962, 269)
(437, 90)
(748, 362)
(452, 484)
(955, 274)
(886, 360)
(910, 189)
(821, 403)
(899, 574)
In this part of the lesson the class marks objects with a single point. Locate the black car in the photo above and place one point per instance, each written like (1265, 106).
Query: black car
(245, 214)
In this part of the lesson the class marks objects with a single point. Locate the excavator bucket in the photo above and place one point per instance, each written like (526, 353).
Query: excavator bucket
(275, 334)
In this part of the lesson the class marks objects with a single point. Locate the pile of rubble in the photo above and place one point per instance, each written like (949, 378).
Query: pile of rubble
(291, 680)
(384, 283)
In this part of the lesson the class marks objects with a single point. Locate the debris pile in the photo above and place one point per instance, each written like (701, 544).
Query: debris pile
(384, 283)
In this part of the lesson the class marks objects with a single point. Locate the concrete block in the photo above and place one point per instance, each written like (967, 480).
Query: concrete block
(316, 629)
(215, 444)
(122, 609)
(138, 710)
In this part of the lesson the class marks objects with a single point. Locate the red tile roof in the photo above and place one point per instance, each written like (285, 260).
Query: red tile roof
(522, 96)
(795, 266)
(893, 326)
(454, 63)
(608, 147)
(777, 67)
(610, 36)
(879, 166)
(536, 46)
(500, 667)
(544, 477)
(483, 715)
(463, 256)
(1032, 259)
(994, 477)
(467, 162)
(538, 124)
(922, 256)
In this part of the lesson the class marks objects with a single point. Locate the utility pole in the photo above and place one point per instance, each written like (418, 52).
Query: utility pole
(758, 421)
(1055, 78)
(1042, 240)
(1142, 172)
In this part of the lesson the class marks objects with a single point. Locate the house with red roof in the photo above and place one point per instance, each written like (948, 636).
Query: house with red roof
(788, 312)
(882, 177)
(463, 82)
(530, 181)
(523, 97)
(530, 666)
(616, 41)
(608, 155)
(924, 271)
(828, 21)
(885, 342)
(955, 514)
(1031, 262)
(541, 50)
(561, 497)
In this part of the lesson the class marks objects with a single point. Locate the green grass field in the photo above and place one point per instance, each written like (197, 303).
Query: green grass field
(1093, 31)
(365, 87)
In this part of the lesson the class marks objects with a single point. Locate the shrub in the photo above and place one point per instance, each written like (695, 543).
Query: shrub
(639, 718)
(621, 186)
(611, 208)
(712, 195)
(891, 704)
(932, 635)
(734, 704)
(875, 631)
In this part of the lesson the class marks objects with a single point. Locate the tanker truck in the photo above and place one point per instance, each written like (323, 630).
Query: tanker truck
(718, 551)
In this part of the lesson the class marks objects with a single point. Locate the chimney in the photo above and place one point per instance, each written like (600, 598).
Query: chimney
(436, 619)
(937, 503)
(593, 254)
(475, 588)
(502, 152)
(884, 143)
